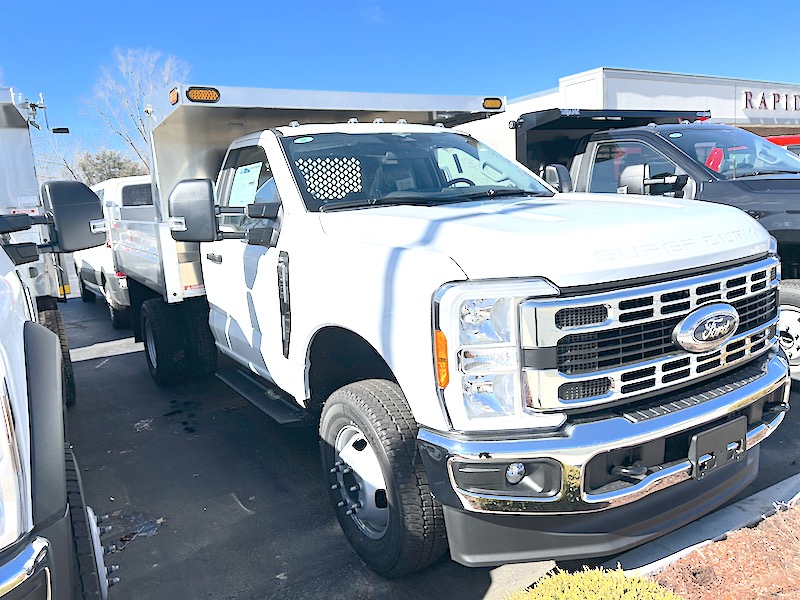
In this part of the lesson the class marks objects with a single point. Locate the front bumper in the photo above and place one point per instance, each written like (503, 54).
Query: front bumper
(28, 574)
(555, 525)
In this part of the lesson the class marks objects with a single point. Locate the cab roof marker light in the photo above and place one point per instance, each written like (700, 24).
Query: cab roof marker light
(352, 120)
(173, 96)
(492, 103)
(377, 120)
(206, 95)
(402, 122)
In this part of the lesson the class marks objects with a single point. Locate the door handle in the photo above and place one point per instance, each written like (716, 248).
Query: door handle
(215, 258)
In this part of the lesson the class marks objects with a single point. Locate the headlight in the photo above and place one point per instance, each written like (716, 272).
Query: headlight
(11, 480)
(478, 368)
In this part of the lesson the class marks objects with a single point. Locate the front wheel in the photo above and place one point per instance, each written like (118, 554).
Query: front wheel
(376, 480)
(52, 319)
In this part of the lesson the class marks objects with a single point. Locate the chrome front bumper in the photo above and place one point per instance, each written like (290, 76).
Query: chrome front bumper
(576, 444)
(28, 573)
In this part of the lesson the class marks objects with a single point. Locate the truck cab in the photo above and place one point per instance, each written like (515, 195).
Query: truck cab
(673, 154)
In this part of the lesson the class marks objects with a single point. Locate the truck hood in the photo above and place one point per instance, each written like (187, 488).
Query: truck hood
(570, 239)
(776, 183)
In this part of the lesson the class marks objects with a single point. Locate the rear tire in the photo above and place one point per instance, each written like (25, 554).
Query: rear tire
(164, 342)
(86, 294)
(120, 318)
(86, 582)
(369, 453)
(789, 325)
(53, 320)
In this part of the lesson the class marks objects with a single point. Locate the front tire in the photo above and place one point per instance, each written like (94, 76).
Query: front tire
(377, 484)
(789, 325)
(53, 320)
(87, 566)
(164, 342)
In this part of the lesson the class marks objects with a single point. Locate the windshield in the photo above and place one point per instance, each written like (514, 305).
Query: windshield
(731, 152)
(344, 170)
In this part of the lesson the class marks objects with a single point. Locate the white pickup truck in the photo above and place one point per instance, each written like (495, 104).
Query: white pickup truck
(98, 275)
(49, 539)
(496, 368)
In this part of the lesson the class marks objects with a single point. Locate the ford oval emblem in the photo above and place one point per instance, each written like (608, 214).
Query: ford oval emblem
(706, 328)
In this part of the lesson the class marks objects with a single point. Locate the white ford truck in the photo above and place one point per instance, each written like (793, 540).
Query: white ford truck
(496, 368)
(49, 539)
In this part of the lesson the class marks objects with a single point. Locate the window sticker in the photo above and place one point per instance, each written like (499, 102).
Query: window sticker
(676, 135)
(243, 190)
(304, 140)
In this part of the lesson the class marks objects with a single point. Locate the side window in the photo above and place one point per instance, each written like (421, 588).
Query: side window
(625, 167)
(247, 180)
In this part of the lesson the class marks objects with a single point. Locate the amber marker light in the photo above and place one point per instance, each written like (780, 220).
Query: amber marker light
(173, 96)
(202, 94)
(442, 367)
(492, 103)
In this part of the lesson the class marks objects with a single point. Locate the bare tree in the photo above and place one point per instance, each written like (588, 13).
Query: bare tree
(56, 156)
(120, 93)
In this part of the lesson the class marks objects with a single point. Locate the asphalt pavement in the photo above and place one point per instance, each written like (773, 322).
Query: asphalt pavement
(209, 498)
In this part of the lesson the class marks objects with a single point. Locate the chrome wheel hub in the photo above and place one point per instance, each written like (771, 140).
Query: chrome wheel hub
(789, 332)
(360, 482)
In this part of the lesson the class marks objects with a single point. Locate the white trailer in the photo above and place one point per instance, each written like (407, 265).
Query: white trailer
(514, 373)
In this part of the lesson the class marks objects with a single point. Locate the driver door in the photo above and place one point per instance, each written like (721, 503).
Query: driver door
(240, 278)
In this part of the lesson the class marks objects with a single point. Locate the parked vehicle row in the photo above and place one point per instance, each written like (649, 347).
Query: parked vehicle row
(49, 538)
(495, 368)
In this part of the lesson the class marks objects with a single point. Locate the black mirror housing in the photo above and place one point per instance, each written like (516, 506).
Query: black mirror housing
(72, 206)
(192, 201)
(268, 210)
(558, 177)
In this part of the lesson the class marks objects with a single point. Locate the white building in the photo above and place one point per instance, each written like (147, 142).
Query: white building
(766, 108)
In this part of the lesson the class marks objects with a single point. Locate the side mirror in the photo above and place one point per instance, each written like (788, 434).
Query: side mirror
(191, 208)
(633, 179)
(73, 207)
(263, 211)
(558, 177)
(675, 182)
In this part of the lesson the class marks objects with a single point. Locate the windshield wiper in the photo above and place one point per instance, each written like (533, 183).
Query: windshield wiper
(504, 191)
(380, 202)
(770, 172)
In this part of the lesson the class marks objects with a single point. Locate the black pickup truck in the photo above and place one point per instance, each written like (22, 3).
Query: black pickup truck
(676, 154)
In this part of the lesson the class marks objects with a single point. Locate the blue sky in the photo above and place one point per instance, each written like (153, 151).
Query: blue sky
(508, 47)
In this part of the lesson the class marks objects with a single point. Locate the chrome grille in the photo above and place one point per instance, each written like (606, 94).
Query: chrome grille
(630, 351)
(585, 352)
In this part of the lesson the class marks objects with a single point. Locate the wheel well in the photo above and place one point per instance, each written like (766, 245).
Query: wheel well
(790, 260)
(338, 357)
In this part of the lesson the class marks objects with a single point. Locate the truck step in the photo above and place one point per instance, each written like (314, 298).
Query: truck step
(280, 408)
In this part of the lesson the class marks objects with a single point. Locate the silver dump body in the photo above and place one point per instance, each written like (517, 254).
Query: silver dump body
(188, 140)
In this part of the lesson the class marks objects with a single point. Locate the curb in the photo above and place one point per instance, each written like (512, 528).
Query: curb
(656, 555)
